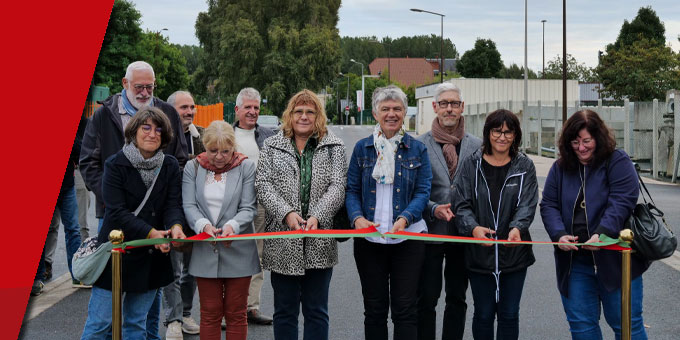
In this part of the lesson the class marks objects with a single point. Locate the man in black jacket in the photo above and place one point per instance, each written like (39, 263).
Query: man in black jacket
(104, 134)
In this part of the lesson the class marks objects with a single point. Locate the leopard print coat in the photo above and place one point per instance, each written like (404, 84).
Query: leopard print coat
(278, 189)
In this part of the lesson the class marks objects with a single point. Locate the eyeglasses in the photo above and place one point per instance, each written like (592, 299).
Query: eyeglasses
(496, 133)
(148, 88)
(300, 113)
(214, 152)
(146, 128)
(454, 104)
(586, 142)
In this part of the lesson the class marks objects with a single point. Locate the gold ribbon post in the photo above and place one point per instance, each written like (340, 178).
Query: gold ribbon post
(116, 237)
(626, 235)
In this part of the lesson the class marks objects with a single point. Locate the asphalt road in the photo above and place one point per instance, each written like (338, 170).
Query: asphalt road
(541, 313)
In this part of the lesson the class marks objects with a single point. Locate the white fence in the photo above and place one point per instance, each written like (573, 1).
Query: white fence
(645, 130)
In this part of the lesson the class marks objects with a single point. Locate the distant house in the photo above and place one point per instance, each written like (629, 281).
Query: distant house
(449, 65)
(406, 71)
(589, 94)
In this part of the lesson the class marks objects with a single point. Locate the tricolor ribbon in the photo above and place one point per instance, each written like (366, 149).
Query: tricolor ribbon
(606, 242)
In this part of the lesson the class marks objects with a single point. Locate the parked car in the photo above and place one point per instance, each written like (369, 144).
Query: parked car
(271, 122)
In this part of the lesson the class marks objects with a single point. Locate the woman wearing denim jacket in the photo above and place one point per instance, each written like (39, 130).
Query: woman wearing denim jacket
(591, 190)
(388, 186)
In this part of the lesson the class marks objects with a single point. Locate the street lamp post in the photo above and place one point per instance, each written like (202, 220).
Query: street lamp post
(361, 114)
(525, 106)
(158, 38)
(441, 43)
(543, 73)
(347, 95)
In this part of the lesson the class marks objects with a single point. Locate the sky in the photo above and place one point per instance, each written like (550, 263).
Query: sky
(591, 25)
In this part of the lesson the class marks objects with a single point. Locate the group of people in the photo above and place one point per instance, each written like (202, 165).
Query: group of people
(136, 159)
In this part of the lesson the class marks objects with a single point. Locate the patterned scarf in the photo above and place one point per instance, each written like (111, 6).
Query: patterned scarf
(450, 141)
(383, 172)
(236, 159)
(147, 167)
(131, 110)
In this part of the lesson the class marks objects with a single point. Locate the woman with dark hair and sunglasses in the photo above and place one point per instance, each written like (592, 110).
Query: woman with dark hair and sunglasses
(591, 190)
(497, 195)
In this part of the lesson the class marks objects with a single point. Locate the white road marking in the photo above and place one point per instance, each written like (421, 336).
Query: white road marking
(673, 261)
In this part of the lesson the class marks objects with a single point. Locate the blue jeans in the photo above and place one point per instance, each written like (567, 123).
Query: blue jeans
(310, 290)
(68, 209)
(136, 308)
(506, 309)
(179, 295)
(587, 297)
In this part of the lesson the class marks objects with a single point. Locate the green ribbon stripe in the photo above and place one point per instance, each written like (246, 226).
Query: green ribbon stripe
(368, 232)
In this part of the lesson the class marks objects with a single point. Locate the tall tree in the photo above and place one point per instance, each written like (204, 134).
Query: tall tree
(482, 61)
(119, 47)
(516, 72)
(167, 61)
(278, 47)
(642, 71)
(575, 70)
(365, 49)
(646, 24)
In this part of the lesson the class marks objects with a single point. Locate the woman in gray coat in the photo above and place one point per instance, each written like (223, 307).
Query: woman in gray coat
(218, 191)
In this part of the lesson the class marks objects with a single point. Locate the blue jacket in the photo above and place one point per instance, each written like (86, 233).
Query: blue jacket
(611, 192)
(413, 175)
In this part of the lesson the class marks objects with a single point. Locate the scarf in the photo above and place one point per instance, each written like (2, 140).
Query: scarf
(148, 168)
(383, 172)
(131, 110)
(236, 159)
(450, 141)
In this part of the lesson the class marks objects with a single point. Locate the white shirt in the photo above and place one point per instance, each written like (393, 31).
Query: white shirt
(214, 197)
(246, 143)
(384, 216)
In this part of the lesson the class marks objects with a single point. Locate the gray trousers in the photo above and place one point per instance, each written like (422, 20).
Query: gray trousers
(178, 297)
(257, 279)
(83, 199)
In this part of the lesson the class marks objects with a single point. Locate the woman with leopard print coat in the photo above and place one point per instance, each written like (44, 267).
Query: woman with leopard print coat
(301, 182)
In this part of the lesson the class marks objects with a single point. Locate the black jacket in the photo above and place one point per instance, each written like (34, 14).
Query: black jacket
(144, 268)
(472, 208)
(104, 137)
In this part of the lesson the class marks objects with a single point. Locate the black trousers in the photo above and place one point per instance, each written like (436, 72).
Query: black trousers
(389, 276)
(455, 286)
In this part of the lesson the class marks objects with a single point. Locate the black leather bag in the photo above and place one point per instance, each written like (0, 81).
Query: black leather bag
(652, 238)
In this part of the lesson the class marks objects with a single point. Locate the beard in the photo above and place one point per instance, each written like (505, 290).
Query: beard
(137, 101)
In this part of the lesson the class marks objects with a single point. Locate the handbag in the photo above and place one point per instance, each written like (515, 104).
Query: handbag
(90, 260)
(653, 239)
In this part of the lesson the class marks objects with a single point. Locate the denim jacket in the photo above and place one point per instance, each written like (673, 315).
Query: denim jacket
(411, 190)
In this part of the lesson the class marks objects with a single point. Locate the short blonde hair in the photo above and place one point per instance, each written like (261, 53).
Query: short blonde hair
(219, 134)
(304, 97)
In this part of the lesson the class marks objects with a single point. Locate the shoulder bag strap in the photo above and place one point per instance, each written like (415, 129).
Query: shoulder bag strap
(148, 193)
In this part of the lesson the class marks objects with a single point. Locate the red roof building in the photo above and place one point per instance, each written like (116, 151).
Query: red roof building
(406, 71)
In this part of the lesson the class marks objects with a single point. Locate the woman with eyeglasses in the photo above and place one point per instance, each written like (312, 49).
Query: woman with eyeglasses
(301, 184)
(388, 186)
(496, 199)
(591, 190)
(218, 190)
(138, 168)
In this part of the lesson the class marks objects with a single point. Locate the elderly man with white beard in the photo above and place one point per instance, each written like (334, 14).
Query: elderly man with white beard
(104, 134)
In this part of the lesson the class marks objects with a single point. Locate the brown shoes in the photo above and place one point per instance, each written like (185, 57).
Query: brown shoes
(254, 316)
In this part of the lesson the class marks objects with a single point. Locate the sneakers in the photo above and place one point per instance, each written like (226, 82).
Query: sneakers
(37, 288)
(48, 271)
(78, 284)
(190, 326)
(174, 331)
(256, 317)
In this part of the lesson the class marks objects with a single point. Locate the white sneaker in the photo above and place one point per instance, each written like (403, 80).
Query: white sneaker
(174, 331)
(190, 326)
